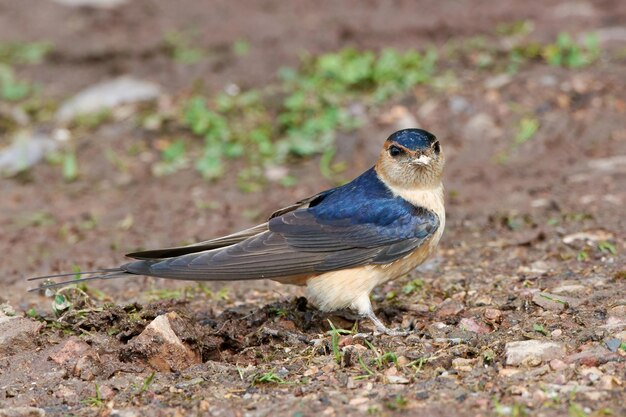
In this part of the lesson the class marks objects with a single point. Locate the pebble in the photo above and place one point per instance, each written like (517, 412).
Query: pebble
(555, 302)
(481, 127)
(498, 81)
(547, 302)
(473, 325)
(532, 352)
(162, 346)
(558, 365)
(78, 358)
(107, 95)
(449, 308)
(556, 333)
(26, 150)
(618, 311)
(569, 289)
(17, 334)
(613, 344)
(593, 356)
(463, 365)
(493, 314)
(458, 104)
(22, 412)
(590, 236)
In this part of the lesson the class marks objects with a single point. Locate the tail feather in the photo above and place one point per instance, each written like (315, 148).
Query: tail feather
(69, 274)
(110, 273)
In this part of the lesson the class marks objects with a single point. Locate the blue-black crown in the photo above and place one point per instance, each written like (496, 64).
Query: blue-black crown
(413, 139)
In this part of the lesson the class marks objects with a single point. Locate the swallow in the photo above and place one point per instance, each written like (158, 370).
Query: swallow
(339, 244)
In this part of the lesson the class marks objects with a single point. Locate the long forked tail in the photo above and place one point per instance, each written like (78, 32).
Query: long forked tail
(107, 273)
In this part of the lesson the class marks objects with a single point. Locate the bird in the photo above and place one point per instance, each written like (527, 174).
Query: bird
(339, 244)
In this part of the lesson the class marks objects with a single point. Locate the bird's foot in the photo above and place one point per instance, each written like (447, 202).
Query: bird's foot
(382, 329)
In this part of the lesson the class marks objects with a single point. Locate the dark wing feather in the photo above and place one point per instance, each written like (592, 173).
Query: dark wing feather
(299, 243)
(224, 241)
(219, 242)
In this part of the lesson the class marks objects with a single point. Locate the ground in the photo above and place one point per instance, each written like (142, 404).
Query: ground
(533, 248)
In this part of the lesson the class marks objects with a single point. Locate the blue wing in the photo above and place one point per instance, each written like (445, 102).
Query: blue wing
(357, 224)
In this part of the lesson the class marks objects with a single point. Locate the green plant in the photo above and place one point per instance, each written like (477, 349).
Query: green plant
(607, 247)
(540, 329)
(11, 89)
(173, 158)
(313, 106)
(527, 128)
(95, 401)
(564, 52)
(335, 334)
(147, 382)
(18, 53)
(180, 47)
(415, 285)
(268, 378)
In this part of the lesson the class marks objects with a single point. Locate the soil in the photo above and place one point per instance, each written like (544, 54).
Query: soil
(510, 234)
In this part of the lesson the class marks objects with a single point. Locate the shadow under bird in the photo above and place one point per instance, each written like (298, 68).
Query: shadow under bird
(340, 243)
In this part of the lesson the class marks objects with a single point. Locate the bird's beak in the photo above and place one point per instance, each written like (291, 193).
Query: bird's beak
(421, 160)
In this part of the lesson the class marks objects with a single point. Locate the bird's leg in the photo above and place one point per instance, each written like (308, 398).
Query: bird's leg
(363, 306)
(381, 328)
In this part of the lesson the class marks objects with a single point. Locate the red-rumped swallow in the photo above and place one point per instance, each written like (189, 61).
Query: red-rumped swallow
(340, 243)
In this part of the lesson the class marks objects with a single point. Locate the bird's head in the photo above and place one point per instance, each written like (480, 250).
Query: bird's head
(411, 158)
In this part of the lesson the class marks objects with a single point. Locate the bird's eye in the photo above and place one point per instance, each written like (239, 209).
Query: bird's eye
(436, 147)
(395, 151)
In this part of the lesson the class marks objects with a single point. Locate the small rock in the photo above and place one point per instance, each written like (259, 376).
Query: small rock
(493, 315)
(618, 311)
(395, 377)
(498, 81)
(570, 9)
(539, 397)
(613, 344)
(162, 347)
(557, 365)
(474, 326)
(532, 352)
(276, 172)
(400, 118)
(590, 236)
(621, 336)
(556, 333)
(608, 382)
(17, 334)
(66, 394)
(22, 412)
(418, 308)
(614, 323)
(611, 34)
(79, 359)
(462, 364)
(26, 150)
(480, 127)
(107, 95)
(575, 288)
(449, 308)
(458, 104)
(129, 412)
(592, 373)
(398, 379)
(593, 356)
(555, 302)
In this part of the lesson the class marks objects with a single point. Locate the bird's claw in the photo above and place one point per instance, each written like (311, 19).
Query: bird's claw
(382, 329)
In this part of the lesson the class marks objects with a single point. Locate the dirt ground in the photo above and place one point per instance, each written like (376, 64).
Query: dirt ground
(533, 247)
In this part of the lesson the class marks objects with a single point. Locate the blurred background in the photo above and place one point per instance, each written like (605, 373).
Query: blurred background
(132, 124)
(139, 124)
